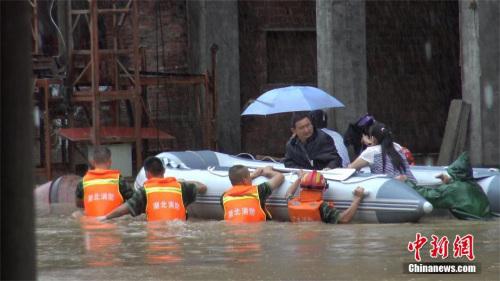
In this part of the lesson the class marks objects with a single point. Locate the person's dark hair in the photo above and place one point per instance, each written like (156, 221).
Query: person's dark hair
(101, 155)
(354, 132)
(297, 116)
(237, 174)
(384, 137)
(319, 118)
(365, 122)
(154, 165)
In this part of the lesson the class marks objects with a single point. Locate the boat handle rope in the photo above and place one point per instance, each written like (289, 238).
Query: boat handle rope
(210, 169)
(364, 179)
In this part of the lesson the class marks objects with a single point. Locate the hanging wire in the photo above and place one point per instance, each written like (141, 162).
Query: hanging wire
(54, 23)
(164, 60)
(157, 106)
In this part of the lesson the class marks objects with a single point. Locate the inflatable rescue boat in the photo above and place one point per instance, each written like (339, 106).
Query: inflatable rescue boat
(387, 200)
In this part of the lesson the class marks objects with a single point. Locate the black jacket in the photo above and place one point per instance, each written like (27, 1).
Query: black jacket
(317, 153)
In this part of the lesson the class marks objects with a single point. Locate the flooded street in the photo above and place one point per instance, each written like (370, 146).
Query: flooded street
(131, 249)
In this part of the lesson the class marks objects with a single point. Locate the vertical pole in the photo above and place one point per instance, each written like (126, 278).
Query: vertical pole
(34, 19)
(16, 143)
(137, 87)
(215, 102)
(115, 105)
(46, 129)
(94, 57)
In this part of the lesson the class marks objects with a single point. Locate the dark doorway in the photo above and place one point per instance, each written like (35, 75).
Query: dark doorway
(413, 68)
(277, 49)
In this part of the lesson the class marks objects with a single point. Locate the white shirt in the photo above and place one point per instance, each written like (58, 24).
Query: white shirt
(373, 155)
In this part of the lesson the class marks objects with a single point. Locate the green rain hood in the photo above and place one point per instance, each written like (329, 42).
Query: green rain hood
(462, 195)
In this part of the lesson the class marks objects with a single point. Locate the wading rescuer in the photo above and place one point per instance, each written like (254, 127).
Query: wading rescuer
(102, 189)
(160, 198)
(245, 202)
(309, 205)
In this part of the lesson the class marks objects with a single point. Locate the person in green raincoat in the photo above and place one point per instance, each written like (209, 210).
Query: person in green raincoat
(460, 194)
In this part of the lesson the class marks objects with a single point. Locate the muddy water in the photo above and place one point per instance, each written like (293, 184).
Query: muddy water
(131, 249)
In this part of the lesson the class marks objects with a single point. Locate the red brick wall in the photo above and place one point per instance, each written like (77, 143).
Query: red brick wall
(276, 21)
(409, 90)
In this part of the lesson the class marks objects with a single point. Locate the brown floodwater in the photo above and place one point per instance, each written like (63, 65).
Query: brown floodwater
(129, 248)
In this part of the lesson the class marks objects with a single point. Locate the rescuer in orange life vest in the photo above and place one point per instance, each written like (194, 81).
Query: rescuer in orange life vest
(245, 202)
(101, 189)
(160, 198)
(309, 205)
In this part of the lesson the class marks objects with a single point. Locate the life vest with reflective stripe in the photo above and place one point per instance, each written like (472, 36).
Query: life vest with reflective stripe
(101, 192)
(242, 204)
(306, 206)
(164, 199)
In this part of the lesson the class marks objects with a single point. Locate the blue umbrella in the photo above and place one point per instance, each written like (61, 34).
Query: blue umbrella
(290, 99)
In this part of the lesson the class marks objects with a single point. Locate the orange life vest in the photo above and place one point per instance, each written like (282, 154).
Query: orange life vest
(242, 204)
(306, 206)
(101, 192)
(164, 199)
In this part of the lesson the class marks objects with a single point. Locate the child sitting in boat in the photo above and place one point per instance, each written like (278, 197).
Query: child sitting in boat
(383, 156)
(101, 189)
(309, 205)
(357, 136)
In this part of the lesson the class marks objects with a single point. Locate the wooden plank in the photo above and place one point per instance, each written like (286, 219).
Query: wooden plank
(86, 96)
(102, 11)
(103, 52)
(462, 131)
(456, 126)
(173, 79)
(126, 134)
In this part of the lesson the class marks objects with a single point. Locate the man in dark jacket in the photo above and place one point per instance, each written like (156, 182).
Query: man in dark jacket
(310, 148)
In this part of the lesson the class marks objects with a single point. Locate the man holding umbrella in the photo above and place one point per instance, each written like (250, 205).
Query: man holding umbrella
(310, 148)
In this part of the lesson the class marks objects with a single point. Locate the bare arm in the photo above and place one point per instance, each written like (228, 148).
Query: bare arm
(257, 173)
(358, 164)
(347, 215)
(200, 187)
(444, 178)
(293, 188)
(118, 212)
(275, 178)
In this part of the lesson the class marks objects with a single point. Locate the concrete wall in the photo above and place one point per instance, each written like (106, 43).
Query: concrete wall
(216, 22)
(480, 55)
(342, 72)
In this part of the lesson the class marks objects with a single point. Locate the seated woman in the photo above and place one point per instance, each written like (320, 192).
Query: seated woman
(383, 156)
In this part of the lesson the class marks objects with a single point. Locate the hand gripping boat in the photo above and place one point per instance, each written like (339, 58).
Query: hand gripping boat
(387, 200)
